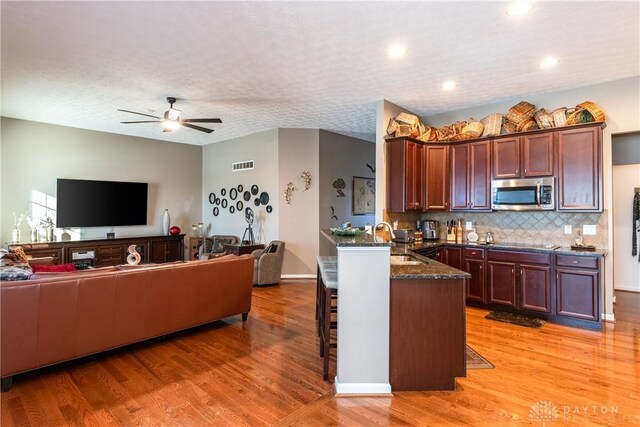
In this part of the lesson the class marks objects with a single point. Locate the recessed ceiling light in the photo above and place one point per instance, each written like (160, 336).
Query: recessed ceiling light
(548, 62)
(397, 51)
(448, 86)
(519, 8)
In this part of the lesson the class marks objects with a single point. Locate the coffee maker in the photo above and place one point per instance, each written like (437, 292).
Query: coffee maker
(430, 229)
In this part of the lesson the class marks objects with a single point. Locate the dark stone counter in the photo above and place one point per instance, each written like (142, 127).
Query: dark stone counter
(563, 250)
(363, 239)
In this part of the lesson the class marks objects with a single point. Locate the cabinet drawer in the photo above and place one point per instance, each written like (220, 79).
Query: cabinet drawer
(474, 253)
(56, 254)
(577, 261)
(520, 257)
(110, 250)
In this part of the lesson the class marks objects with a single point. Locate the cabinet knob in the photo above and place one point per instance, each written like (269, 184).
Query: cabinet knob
(513, 271)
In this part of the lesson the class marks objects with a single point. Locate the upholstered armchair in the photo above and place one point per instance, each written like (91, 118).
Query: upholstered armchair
(267, 265)
(214, 245)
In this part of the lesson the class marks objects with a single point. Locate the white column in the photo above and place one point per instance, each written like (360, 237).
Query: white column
(363, 320)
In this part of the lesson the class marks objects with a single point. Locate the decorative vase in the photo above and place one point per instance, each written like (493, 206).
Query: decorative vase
(166, 219)
(34, 234)
(49, 234)
(15, 235)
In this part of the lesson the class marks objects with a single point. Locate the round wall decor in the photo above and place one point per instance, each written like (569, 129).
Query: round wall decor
(223, 192)
(256, 201)
(232, 209)
(246, 196)
(217, 201)
(233, 194)
(240, 188)
(239, 205)
(216, 211)
(212, 198)
(224, 203)
(264, 198)
(269, 209)
(254, 189)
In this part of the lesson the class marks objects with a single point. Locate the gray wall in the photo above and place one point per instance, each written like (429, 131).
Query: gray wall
(343, 157)
(34, 155)
(262, 147)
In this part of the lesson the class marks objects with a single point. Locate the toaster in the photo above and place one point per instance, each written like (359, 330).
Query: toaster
(404, 236)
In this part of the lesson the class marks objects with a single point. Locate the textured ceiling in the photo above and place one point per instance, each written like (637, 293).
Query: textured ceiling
(261, 65)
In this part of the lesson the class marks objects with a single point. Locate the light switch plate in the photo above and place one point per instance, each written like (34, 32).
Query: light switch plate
(589, 230)
(469, 225)
(568, 229)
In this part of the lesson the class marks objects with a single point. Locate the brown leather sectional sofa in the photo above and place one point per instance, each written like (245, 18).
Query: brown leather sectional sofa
(63, 316)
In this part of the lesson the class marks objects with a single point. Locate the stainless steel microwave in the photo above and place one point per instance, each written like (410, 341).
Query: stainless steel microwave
(531, 194)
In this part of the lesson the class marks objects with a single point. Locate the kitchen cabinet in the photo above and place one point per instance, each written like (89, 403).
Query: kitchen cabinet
(520, 280)
(580, 169)
(470, 176)
(405, 175)
(436, 177)
(577, 284)
(524, 156)
(166, 251)
(474, 265)
(452, 256)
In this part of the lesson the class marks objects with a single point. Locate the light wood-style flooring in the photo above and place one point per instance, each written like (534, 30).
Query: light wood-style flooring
(267, 372)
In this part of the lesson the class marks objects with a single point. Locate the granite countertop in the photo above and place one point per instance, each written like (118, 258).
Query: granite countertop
(363, 239)
(563, 250)
(429, 269)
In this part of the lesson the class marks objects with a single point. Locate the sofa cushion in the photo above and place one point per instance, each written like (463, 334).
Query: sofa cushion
(53, 268)
(18, 271)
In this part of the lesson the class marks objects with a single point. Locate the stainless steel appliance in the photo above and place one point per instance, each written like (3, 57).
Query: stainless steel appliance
(530, 194)
(403, 236)
(430, 229)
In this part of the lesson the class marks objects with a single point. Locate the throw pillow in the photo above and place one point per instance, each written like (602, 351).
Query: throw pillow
(37, 268)
(16, 272)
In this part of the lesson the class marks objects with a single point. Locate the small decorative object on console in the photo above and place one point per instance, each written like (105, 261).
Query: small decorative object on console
(174, 230)
(134, 257)
(166, 220)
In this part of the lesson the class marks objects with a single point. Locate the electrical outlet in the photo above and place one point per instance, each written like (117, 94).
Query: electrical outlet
(589, 230)
(469, 225)
(568, 229)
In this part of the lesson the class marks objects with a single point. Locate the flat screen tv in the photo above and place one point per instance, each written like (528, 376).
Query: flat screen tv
(85, 203)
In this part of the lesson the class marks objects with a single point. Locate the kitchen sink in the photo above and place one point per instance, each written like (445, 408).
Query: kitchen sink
(404, 260)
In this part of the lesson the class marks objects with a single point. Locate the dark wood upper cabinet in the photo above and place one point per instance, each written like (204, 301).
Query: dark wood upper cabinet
(405, 176)
(580, 169)
(523, 156)
(436, 177)
(471, 176)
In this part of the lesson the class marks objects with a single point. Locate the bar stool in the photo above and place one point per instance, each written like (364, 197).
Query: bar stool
(327, 292)
(325, 263)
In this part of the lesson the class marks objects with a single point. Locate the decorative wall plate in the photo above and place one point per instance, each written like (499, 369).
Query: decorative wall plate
(217, 201)
(254, 189)
(239, 205)
(264, 198)
(232, 209)
(256, 201)
(269, 209)
(233, 194)
(212, 198)
(240, 188)
(223, 192)
(216, 211)
(246, 196)
(224, 203)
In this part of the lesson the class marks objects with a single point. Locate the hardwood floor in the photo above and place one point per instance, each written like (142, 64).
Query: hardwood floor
(268, 372)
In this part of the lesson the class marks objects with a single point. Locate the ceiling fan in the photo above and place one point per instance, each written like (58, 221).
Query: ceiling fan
(171, 119)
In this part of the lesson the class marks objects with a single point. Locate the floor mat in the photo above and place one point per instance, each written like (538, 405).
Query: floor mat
(475, 361)
(516, 319)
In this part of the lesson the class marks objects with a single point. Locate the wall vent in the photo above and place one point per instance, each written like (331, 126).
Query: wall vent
(242, 166)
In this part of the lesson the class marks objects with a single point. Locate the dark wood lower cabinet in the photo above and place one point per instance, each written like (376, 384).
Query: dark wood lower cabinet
(166, 251)
(502, 283)
(535, 287)
(578, 293)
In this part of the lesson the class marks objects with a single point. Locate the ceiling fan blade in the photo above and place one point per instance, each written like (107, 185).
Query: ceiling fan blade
(144, 121)
(200, 128)
(201, 121)
(141, 114)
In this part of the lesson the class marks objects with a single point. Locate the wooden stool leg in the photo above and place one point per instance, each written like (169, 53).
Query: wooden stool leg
(326, 341)
(321, 316)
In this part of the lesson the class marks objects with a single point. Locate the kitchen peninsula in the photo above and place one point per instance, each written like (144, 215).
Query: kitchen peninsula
(401, 318)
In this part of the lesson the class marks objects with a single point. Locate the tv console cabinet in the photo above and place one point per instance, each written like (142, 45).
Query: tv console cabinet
(154, 249)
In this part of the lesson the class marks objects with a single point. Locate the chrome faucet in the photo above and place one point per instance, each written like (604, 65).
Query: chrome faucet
(393, 236)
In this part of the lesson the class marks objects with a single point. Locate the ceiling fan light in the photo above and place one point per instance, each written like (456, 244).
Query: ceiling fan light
(173, 114)
(170, 125)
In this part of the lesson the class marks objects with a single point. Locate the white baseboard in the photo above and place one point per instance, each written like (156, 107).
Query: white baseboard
(298, 276)
(608, 317)
(362, 388)
(626, 288)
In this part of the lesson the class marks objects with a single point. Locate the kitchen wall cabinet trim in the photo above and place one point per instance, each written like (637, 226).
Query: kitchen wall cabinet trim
(436, 170)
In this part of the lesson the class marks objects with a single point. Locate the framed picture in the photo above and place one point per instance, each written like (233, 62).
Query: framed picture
(364, 195)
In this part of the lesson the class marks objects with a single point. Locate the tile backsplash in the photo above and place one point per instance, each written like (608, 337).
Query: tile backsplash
(535, 228)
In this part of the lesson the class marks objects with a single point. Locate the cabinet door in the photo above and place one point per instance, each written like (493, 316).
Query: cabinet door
(480, 175)
(174, 251)
(506, 158)
(475, 287)
(537, 155)
(535, 287)
(158, 252)
(414, 177)
(437, 177)
(580, 169)
(460, 177)
(502, 283)
(453, 257)
(577, 293)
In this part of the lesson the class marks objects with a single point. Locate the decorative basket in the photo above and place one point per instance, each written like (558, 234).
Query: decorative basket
(492, 125)
(509, 127)
(426, 135)
(596, 112)
(527, 126)
(521, 112)
(473, 128)
(559, 116)
(458, 126)
(579, 116)
(409, 119)
(392, 127)
(403, 130)
(543, 119)
(462, 137)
